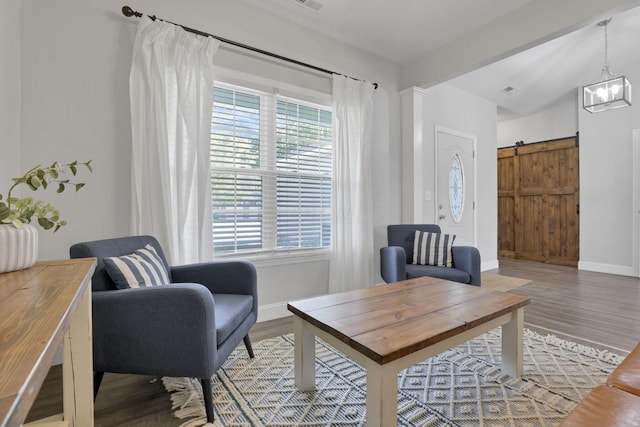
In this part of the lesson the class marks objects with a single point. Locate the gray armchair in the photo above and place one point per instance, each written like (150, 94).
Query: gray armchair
(185, 329)
(396, 259)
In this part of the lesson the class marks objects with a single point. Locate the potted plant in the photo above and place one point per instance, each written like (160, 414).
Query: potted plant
(18, 238)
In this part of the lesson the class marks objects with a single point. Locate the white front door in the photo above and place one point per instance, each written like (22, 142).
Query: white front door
(455, 185)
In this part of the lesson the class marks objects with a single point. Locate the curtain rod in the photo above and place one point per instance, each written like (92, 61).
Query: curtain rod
(127, 11)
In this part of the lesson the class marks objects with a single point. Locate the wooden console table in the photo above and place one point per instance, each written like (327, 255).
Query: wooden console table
(41, 308)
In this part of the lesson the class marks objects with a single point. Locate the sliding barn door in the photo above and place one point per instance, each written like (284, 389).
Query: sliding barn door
(538, 202)
(506, 203)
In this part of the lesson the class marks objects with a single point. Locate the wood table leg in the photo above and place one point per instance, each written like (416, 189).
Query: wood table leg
(77, 368)
(382, 395)
(304, 355)
(512, 344)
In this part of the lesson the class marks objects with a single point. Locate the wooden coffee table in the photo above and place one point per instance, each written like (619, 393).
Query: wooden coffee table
(391, 327)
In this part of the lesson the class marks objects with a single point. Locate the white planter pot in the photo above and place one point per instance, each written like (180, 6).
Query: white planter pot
(18, 247)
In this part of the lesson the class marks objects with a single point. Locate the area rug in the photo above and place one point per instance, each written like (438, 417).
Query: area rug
(499, 282)
(460, 387)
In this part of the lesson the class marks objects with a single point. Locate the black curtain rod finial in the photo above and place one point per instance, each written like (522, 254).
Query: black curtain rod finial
(127, 11)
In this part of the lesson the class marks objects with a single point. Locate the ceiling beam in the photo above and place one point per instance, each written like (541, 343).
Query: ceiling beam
(536, 23)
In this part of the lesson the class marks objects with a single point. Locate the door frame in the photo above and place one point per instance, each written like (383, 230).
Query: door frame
(474, 142)
(636, 202)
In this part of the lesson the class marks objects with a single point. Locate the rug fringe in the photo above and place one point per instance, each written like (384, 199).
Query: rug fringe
(602, 355)
(186, 400)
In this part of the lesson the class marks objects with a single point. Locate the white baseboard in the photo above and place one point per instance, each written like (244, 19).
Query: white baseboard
(273, 311)
(621, 270)
(489, 265)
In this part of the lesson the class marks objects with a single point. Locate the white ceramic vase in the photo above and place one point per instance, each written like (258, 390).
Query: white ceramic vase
(18, 247)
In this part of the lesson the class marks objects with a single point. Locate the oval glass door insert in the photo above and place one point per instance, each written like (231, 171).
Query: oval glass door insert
(456, 188)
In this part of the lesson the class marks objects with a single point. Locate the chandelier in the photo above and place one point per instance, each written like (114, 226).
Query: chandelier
(608, 92)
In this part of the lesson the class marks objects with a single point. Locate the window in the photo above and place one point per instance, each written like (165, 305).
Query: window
(271, 160)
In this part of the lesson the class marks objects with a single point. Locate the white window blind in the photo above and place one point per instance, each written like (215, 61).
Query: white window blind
(271, 160)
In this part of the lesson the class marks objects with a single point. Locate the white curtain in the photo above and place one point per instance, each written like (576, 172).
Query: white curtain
(171, 90)
(351, 262)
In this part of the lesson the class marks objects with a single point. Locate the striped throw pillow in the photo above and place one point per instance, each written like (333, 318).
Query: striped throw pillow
(140, 269)
(433, 249)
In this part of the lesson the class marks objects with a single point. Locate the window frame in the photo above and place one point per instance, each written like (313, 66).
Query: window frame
(270, 254)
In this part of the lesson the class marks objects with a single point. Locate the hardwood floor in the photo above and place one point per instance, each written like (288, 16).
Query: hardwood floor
(596, 309)
(599, 310)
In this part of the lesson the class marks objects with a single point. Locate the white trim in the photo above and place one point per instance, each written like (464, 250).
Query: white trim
(474, 143)
(413, 90)
(276, 310)
(620, 270)
(264, 84)
(273, 311)
(417, 148)
(278, 258)
(636, 204)
(489, 265)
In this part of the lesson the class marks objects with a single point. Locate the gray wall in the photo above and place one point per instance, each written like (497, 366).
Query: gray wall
(452, 108)
(9, 92)
(76, 56)
(557, 121)
(607, 214)
(606, 186)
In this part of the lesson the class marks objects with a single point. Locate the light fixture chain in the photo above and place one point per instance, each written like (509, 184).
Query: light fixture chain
(606, 46)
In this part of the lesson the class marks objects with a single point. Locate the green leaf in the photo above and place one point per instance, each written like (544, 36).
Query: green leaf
(45, 223)
(28, 214)
(35, 182)
(60, 188)
(88, 164)
(17, 223)
(4, 211)
(73, 168)
(22, 203)
(79, 186)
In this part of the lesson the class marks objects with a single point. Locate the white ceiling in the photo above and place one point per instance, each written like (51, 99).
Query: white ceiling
(549, 71)
(406, 31)
(400, 31)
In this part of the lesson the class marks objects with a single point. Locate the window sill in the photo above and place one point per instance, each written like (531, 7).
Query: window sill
(280, 258)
